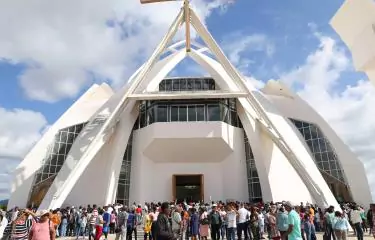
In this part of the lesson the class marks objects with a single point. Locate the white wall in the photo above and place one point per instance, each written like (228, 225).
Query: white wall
(152, 180)
(79, 112)
(279, 180)
(354, 169)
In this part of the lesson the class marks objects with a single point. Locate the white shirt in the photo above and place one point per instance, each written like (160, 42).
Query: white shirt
(261, 219)
(355, 216)
(176, 220)
(243, 215)
(110, 210)
(231, 216)
(3, 225)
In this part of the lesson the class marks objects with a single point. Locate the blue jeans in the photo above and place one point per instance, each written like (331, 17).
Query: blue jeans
(231, 233)
(223, 231)
(359, 231)
(64, 226)
(79, 230)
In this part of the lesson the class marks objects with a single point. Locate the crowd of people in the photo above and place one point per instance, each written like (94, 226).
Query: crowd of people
(185, 221)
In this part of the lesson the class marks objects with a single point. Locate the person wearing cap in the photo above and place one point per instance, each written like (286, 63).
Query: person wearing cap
(215, 221)
(44, 228)
(294, 222)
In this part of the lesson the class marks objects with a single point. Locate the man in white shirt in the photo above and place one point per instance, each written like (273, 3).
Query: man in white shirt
(243, 217)
(232, 224)
(356, 219)
(176, 221)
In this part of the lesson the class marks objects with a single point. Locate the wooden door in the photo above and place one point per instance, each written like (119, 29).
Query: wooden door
(202, 187)
(174, 187)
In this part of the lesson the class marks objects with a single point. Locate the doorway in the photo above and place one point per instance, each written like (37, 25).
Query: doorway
(188, 187)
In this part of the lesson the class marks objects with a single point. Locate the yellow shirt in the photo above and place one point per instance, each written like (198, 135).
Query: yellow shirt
(148, 224)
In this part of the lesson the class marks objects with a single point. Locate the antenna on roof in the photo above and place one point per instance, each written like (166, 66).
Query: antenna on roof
(186, 15)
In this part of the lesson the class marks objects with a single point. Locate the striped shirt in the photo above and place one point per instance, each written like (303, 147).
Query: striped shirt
(94, 215)
(18, 231)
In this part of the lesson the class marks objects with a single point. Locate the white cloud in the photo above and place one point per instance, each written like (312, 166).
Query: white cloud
(348, 110)
(68, 44)
(19, 129)
(237, 46)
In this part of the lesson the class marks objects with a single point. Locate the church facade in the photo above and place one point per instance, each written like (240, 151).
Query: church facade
(189, 138)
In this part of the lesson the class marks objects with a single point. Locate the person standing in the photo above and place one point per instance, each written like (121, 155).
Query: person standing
(164, 229)
(121, 228)
(340, 226)
(43, 229)
(355, 217)
(294, 222)
(215, 221)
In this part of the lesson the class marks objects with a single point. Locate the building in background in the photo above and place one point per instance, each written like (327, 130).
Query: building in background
(189, 138)
(355, 24)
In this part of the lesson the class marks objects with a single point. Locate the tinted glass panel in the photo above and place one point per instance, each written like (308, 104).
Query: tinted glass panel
(182, 113)
(213, 113)
(162, 114)
(324, 155)
(200, 113)
(174, 113)
(192, 115)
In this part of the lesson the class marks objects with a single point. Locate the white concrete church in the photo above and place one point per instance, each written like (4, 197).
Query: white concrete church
(207, 138)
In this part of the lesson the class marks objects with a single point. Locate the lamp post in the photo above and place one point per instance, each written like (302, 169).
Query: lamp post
(187, 18)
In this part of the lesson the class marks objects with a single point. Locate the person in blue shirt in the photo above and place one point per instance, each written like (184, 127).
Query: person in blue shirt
(107, 221)
(131, 225)
(307, 226)
(340, 226)
(294, 222)
(282, 222)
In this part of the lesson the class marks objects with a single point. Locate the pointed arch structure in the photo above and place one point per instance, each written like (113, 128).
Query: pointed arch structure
(275, 144)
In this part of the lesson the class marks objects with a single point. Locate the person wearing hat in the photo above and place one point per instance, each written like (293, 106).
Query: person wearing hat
(43, 229)
(20, 227)
(294, 222)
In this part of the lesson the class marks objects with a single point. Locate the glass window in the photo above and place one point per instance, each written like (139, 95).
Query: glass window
(162, 114)
(257, 191)
(162, 86)
(318, 157)
(168, 85)
(190, 85)
(198, 84)
(63, 136)
(200, 113)
(298, 124)
(176, 85)
(142, 119)
(325, 157)
(224, 113)
(206, 84)
(183, 85)
(174, 113)
(192, 114)
(182, 113)
(307, 133)
(322, 144)
(213, 112)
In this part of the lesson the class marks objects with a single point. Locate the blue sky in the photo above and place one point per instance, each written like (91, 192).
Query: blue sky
(48, 60)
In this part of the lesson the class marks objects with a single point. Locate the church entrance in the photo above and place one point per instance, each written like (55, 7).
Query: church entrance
(188, 187)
